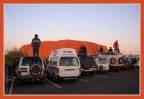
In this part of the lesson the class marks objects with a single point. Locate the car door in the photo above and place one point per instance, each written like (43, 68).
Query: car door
(69, 67)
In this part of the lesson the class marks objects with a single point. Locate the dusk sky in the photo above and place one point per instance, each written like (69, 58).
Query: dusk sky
(98, 23)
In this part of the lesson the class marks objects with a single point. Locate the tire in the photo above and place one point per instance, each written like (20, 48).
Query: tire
(35, 70)
(113, 69)
(113, 60)
(100, 68)
(56, 80)
(86, 64)
(91, 73)
(41, 82)
(74, 80)
(47, 75)
(121, 60)
(19, 82)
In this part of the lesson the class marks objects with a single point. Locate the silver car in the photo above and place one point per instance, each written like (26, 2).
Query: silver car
(27, 70)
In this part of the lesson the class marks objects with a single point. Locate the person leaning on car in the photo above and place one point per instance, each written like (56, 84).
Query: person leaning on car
(36, 43)
(15, 62)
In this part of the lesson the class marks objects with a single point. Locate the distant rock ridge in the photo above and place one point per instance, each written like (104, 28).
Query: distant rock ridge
(48, 46)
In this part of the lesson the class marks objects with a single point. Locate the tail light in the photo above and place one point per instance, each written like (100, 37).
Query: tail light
(19, 72)
(57, 70)
(80, 70)
(44, 72)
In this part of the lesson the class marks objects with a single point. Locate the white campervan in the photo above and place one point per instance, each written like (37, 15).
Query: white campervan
(63, 64)
(102, 63)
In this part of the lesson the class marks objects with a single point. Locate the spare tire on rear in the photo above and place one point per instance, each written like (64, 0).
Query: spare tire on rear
(113, 60)
(35, 70)
(86, 64)
(121, 60)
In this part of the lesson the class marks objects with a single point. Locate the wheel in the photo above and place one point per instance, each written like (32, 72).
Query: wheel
(47, 75)
(101, 68)
(41, 82)
(74, 80)
(91, 73)
(56, 80)
(35, 70)
(19, 82)
(121, 60)
(113, 60)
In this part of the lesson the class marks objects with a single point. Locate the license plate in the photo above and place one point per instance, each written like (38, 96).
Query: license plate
(69, 69)
(24, 69)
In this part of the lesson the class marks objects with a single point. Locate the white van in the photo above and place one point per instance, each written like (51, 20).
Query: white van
(102, 63)
(63, 64)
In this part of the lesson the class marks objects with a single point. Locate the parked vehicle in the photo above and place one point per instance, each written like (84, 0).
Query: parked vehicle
(63, 64)
(102, 63)
(88, 65)
(26, 70)
(116, 61)
(131, 62)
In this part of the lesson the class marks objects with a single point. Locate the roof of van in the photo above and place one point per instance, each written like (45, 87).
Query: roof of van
(64, 52)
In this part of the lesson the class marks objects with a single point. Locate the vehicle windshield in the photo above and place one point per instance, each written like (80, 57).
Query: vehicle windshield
(68, 61)
(28, 61)
(102, 60)
(92, 61)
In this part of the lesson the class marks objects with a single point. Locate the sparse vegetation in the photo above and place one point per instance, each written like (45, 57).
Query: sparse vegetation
(11, 54)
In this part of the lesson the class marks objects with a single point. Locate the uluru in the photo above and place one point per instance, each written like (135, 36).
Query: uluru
(48, 46)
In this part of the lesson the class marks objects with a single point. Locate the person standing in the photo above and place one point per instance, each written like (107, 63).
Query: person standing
(100, 50)
(80, 50)
(116, 46)
(84, 50)
(36, 43)
(46, 61)
(15, 63)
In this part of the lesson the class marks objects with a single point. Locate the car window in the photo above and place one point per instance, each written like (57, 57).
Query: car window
(55, 61)
(27, 61)
(68, 61)
(92, 60)
(85, 61)
(102, 60)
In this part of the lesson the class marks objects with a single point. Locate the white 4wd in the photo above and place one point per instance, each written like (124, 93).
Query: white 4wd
(26, 70)
(116, 61)
(102, 63)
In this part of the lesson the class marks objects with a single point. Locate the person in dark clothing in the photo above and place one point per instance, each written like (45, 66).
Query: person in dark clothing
(101, 50)
(46, 61)
(84, 50)
(15, 63)
(80, 49)
(36, 43)
(134, 61)
(110, 50)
